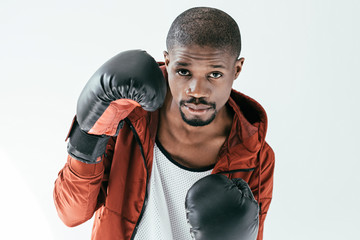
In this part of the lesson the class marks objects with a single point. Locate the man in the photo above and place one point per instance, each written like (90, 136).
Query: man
(146, 144)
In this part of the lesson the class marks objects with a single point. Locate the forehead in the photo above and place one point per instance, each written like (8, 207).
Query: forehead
(194, 54)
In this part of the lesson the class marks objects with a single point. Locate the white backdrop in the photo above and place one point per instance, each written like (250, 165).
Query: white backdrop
(301, 64)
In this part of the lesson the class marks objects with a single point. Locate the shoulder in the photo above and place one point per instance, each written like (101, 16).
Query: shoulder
(267, 155)
(144, 122)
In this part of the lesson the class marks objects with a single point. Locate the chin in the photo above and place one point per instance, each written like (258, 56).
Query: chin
(196, 122)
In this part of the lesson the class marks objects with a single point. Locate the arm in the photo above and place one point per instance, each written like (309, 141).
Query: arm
(267, 173)
(128, 80)
(80, 188)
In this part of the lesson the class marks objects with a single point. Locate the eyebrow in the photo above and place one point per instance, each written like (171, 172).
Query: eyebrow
(217, 66)
(184, 64)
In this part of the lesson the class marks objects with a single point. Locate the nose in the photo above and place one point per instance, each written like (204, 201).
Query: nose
(198, 88)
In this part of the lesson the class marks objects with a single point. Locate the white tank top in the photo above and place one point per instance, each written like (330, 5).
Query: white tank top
(164, 217)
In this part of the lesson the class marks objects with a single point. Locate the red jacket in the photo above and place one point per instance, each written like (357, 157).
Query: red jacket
(116, 188)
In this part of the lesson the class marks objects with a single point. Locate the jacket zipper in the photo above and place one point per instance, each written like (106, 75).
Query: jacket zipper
(237, 170)
(147, 175)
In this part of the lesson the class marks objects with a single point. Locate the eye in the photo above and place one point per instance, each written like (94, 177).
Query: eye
(183, 72)
(215, 75)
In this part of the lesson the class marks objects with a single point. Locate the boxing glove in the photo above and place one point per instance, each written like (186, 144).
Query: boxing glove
(218, 208)
(128, 80)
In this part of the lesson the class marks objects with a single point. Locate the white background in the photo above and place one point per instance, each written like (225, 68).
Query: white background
(301, 64)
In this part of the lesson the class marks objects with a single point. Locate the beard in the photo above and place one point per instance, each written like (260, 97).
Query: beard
(197, 122)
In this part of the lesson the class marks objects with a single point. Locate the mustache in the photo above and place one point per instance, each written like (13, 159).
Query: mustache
(198, 101)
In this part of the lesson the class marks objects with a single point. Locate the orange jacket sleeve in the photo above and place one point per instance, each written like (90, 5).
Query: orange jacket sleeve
(80, 188)
(267, 174)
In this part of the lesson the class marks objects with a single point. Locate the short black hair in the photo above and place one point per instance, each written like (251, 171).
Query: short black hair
(205, 26)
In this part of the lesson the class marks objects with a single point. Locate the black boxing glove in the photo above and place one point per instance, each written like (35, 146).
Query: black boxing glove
(128, 80)
(219, 208)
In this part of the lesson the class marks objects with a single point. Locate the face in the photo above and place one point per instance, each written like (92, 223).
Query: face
(200, 81)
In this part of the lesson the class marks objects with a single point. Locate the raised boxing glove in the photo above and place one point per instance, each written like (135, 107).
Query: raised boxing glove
(219, 208)
(129, 79)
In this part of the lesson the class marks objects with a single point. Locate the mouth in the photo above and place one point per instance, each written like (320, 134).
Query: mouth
(197, 109)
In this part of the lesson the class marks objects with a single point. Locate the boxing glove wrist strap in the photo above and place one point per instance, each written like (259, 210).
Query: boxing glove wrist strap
(86, 147)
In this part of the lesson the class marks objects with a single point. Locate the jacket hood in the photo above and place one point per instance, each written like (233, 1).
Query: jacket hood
(247, 134)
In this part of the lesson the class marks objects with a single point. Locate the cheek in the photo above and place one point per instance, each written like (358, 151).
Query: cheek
(176, 88)
(222, 94)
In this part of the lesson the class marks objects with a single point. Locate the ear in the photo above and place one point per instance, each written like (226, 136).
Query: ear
(166, 58)
(238, 66)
